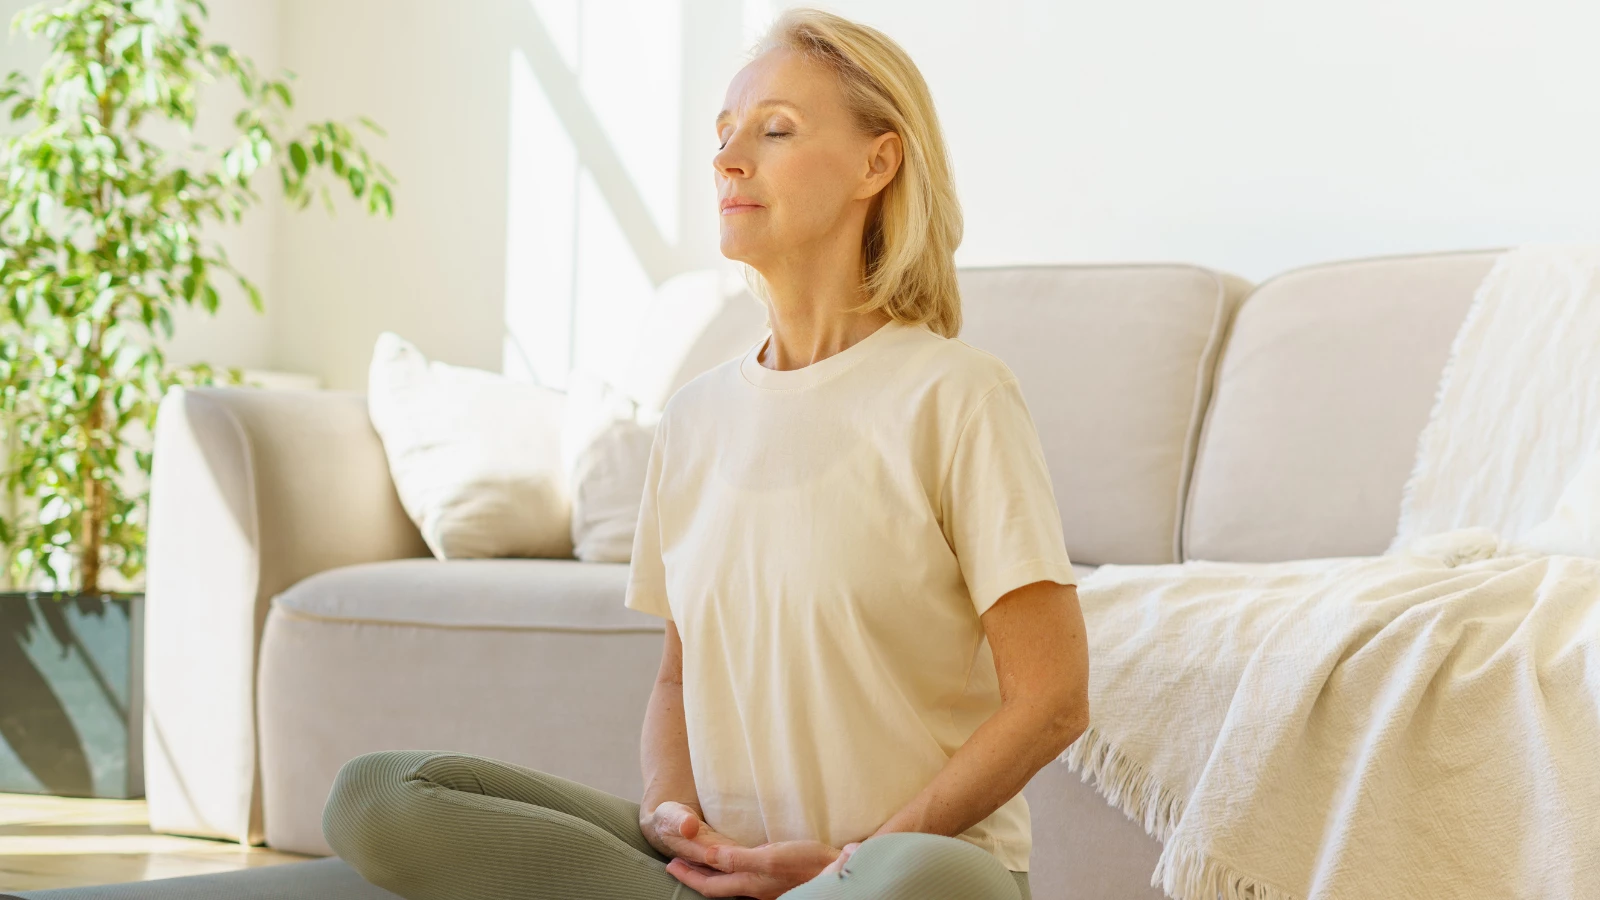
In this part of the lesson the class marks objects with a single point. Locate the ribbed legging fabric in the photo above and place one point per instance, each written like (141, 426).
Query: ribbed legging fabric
(454, 826)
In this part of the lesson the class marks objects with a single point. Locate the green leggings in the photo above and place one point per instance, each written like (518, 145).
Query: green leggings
(453, 826)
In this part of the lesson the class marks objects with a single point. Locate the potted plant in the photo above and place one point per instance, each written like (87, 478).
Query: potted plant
(102, 235)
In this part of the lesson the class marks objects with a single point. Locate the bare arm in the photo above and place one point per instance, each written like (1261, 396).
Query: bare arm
(664, 743)
(1041, 656)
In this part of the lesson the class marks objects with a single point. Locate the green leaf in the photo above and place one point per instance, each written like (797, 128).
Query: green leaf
(122, 39)
(254, 294)
(102, 230)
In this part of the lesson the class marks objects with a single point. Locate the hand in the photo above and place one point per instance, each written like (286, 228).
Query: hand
(677, 830)
(764, 872)
(844, 857)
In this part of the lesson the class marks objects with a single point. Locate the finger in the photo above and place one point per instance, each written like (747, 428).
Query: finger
(702, 868)
(728, 857)
(707, 841)
(718, 885)
(688, 824)
(697, 850)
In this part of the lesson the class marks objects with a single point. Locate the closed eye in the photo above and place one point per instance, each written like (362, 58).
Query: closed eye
(769, 134)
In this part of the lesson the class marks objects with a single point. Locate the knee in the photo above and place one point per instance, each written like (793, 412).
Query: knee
(364, 818)
(929, 866)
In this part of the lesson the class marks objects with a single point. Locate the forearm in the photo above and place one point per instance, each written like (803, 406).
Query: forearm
(994, 764)
(664, 751)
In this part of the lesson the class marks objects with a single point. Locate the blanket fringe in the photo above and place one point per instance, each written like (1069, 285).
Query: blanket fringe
(1182, 872)
(1124, 783)
(1185, 873)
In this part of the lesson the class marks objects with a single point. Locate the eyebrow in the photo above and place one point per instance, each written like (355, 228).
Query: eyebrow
(721, 116)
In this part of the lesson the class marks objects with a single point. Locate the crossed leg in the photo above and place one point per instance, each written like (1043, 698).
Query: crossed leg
(454, 826)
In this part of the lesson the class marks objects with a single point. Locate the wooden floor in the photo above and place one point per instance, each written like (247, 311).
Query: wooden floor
(49, 842)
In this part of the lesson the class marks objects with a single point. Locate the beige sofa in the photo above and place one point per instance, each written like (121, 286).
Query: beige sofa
(295, 619)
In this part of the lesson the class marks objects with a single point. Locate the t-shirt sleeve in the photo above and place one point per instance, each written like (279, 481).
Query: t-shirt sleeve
(647, 576)
(999, 505)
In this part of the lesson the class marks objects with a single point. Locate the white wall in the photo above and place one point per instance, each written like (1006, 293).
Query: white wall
(546, 182)
(1255, 135)
(553, 155)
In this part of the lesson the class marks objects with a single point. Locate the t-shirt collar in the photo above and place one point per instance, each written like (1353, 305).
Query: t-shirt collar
(815, 373)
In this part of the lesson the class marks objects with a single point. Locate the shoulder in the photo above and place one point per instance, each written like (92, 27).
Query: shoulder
(703, 394)
(968, 371)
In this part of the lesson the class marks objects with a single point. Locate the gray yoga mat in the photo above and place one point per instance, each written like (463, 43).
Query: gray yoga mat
(329, 878)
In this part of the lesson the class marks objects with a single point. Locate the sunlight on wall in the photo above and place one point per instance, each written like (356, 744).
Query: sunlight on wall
(613, 291)
(541, 213)
(631, 72)
(576, 287)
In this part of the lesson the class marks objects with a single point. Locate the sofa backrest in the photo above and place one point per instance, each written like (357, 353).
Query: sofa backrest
(1115, 364)
(1325, 382)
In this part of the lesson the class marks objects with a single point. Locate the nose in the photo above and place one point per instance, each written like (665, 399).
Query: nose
(729, 161)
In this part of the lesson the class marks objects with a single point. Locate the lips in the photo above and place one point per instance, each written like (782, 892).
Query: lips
(738, 204)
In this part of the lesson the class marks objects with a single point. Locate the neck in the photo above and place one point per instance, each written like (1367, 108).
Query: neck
(812, 291)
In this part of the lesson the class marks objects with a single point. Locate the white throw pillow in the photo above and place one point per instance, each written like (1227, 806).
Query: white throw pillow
(606, 442)
(475, 456)
(1573, 529)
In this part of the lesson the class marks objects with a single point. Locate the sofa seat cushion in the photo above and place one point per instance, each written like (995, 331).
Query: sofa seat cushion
(543, 594)
(549, 594)
(531, 661)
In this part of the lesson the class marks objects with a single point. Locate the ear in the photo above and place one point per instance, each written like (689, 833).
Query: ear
(884, 155)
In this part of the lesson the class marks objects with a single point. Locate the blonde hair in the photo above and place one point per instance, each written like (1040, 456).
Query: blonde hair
(908, 248)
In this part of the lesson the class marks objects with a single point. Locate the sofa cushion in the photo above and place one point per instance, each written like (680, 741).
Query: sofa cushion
(1324, 386)
(1115, 363)
(535, 662)
(475, 455)
(531, 661)
(555, 594)
(541, 594)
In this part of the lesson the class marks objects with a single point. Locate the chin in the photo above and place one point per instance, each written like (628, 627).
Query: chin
(739, 251)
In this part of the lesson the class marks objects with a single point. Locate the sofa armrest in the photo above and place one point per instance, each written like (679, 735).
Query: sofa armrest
(251, 490)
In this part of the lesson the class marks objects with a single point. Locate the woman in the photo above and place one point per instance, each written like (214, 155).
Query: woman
(873, 638)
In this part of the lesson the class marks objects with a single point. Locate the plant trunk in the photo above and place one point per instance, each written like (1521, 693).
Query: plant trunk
(93, 510)
(94, 492)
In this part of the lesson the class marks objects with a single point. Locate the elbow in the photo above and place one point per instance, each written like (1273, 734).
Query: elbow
(1071, 721)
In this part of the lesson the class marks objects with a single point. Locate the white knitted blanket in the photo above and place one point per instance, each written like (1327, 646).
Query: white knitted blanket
(1421, 723)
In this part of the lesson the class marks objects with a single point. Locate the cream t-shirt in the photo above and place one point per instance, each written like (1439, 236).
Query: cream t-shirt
(826, 539)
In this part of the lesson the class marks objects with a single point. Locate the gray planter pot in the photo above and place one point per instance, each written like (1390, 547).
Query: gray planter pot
(72, 694)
